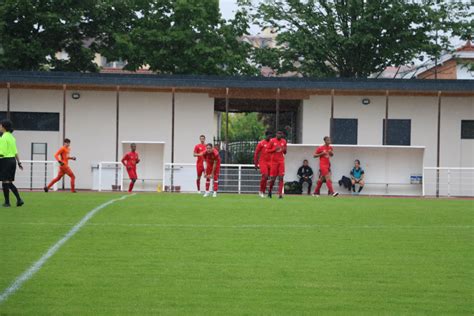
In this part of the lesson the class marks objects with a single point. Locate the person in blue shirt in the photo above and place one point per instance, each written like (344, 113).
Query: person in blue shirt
(357, 176)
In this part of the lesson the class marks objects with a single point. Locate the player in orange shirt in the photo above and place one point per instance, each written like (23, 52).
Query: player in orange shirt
(62, 156)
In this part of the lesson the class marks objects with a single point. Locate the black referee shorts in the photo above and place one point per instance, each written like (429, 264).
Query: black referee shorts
(7, 169)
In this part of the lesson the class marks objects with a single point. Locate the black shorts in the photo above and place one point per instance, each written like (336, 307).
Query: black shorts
(7, 169)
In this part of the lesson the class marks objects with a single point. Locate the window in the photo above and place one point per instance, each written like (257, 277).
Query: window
(344, 131)
(33, 121)
(398, 132)
(467, 129)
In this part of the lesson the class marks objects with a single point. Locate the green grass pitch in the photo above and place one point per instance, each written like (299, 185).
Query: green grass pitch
(183, 254)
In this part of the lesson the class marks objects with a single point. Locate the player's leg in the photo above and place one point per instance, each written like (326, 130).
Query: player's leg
(208, 180)
(60, 175)
(10, 177)
(199, 171)
(216, 180)
(71, 175)
(329, 185)
(273, 175)
(264, 171)
(132, 174)
(281, 176)
(361, 185)
(353, 185)
(319, 184)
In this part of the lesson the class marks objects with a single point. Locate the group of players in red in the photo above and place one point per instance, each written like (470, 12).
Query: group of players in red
(269, 158)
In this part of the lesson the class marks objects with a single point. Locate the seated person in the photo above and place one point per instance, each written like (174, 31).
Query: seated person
(305, 174)
(357, 176)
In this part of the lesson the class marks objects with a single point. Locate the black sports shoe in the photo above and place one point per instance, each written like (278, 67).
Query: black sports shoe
(46, 189)
(270, 194)
(280, 197)
(20, 202)
(6, 205)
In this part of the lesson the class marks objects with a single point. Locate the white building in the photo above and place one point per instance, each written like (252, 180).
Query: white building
(100, 111)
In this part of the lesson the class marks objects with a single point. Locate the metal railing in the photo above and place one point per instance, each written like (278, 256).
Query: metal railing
(233, 178)
(448, 181)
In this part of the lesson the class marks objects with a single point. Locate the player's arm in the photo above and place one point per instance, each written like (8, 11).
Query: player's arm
(17, 157)
(272, 148)
(258, 149)
(196, 152)
(125, 160)
(138, 159)
(200, 154)
(58, 156)
(318, 154)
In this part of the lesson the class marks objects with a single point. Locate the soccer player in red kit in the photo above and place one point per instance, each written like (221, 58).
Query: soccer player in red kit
(262, 161)
(213, 167)
(130, 161)
(324, 153)
(62, 157)
(277, 149)
(198, 149)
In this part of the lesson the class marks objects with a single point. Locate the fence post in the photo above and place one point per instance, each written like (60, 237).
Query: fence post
(449, 182)
(240, 179)
(423, 182)
(100, 176)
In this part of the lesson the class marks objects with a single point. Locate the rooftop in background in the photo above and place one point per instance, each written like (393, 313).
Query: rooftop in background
(290, 88)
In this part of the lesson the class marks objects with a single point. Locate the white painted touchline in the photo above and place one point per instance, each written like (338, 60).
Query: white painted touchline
(28, 274)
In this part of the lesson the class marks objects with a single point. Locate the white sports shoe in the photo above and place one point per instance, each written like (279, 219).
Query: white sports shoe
(316, 195)
(261, 194)
(214, 194)
(335, 194)
(206, 194)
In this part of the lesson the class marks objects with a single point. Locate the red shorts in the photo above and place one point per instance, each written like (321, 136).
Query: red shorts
(216, 172)
(264, 167)
(324, 171)
(65, 170)
(200, 169)
(277, 169)
(132, 173)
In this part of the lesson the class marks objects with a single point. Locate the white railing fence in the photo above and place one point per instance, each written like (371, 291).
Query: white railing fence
(233, 178)
(445, 181)
(109, 176)
(36, 174)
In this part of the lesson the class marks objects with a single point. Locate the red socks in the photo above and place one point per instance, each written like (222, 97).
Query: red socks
(198, 184)
(329, 185)
(263, 184)
(216, 185)
(280, 186)
(130, 186)
(208, 184)
(318, 186)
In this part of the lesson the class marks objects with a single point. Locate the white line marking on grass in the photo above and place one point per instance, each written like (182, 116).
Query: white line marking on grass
(28, 274)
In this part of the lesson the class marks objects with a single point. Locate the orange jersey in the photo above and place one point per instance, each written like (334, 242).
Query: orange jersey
(62, 155)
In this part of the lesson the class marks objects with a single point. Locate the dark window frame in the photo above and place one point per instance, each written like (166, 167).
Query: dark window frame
(402, 141)
(353, 136)
(467, 129)
(34, 121)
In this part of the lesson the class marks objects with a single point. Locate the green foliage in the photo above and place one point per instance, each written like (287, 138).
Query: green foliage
(244, 126)
(171, 36)
(355, 38)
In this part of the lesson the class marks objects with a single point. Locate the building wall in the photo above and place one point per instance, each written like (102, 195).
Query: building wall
(315, 122)
(456, 152)
(194, 116)
(446, 70)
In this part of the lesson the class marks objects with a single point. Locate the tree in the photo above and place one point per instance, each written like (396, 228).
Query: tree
(355, 38)
(244, 127)
(184, 37)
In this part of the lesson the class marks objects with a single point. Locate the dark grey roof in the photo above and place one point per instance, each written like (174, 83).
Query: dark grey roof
(185, 81)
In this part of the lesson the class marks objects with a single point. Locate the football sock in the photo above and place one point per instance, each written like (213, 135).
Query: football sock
(73, 183)
(272, 182)
(208, 184)
(280, 186)
(216, 185)
(353, 188)
(130, 186)
(360, 188)
(263, 184)
(15, 191)
(198, 184)
(6, 192)
(318, 187)
(329, 185)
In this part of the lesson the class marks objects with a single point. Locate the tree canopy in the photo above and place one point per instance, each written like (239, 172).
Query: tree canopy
(355, 38)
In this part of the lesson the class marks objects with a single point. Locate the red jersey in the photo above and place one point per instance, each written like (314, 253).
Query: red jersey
(276, 143)
(261, 150)
(324, 159)
(199, 148)
(211, 157)
(62, 155)
(130, 159)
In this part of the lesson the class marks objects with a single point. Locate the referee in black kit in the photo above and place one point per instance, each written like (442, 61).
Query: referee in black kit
(8, 160)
